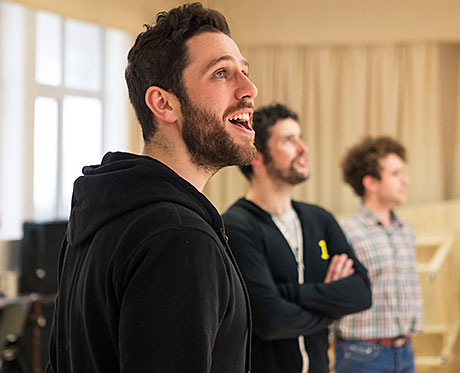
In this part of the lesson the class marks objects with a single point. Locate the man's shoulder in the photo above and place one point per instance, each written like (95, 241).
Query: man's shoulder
(354, 221)
(166, 215)
(246, 218)
(360, 226)
(354, 218)
(242, 211)
(158, 227)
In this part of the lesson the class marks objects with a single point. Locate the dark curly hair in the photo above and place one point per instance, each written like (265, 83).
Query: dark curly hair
(363, 159)
(159, 56)
(263, 120)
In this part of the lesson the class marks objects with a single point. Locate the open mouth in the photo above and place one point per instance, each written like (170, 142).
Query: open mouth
(302, 161)
(242, 119)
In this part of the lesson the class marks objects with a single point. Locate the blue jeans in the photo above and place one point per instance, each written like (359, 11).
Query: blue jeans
(353, 356)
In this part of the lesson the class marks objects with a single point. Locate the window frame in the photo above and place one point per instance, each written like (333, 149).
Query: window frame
(59, 92)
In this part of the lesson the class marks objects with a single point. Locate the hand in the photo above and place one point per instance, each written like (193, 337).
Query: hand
(341, 266)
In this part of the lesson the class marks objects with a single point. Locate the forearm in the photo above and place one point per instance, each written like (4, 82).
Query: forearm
(335, 299)
(282, 319)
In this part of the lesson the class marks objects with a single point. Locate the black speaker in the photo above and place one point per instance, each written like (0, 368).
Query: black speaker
(40, 249)
(39, 256)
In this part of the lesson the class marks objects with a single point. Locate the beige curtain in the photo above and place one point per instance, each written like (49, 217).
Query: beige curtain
(453, 133)
(345, 93)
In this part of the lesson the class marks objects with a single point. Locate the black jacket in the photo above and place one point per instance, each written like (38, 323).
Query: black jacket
(282, 309)
(147, 282)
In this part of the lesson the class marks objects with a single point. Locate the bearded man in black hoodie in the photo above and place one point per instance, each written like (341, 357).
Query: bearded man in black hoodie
(147, 282)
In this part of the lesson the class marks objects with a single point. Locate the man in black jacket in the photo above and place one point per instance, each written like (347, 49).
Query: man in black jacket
(299, 269)
(147, 282)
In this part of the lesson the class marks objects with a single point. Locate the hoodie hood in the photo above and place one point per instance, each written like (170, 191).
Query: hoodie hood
(124, 182)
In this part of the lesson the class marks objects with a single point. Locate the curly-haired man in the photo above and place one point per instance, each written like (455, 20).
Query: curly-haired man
(378, 339)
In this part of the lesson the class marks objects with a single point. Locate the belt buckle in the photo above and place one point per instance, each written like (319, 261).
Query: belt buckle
(399, 342)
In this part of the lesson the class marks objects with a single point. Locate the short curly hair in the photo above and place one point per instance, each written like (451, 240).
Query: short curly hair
(263, 120)
(363, 159)
(159, 56)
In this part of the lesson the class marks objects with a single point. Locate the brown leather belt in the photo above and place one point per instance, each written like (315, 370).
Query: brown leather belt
(389, 342)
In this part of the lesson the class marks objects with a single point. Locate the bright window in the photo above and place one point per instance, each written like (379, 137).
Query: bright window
(81, 140)
(46, 124)
(48, 48)
(63, 103)
(83, 55)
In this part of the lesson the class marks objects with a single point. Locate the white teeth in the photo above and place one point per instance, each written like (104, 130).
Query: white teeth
(242, 116)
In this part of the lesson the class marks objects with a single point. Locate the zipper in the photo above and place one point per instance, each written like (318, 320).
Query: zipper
(246, 296)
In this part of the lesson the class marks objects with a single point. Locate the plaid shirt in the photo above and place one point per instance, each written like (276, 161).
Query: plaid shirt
(389, 256)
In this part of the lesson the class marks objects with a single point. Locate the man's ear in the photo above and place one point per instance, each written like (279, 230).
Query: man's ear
(369, 183)
(163, 104)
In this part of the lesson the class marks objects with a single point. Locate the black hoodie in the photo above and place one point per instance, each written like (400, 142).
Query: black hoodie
(147, 282)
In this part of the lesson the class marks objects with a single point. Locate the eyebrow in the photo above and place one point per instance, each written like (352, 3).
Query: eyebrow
(215, 61)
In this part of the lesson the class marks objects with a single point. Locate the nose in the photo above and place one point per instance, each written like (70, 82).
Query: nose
(301, 146)
(245, 88)
(406, 179)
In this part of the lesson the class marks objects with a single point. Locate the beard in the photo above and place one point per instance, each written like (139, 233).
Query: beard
(210, 146)
(290, 176)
